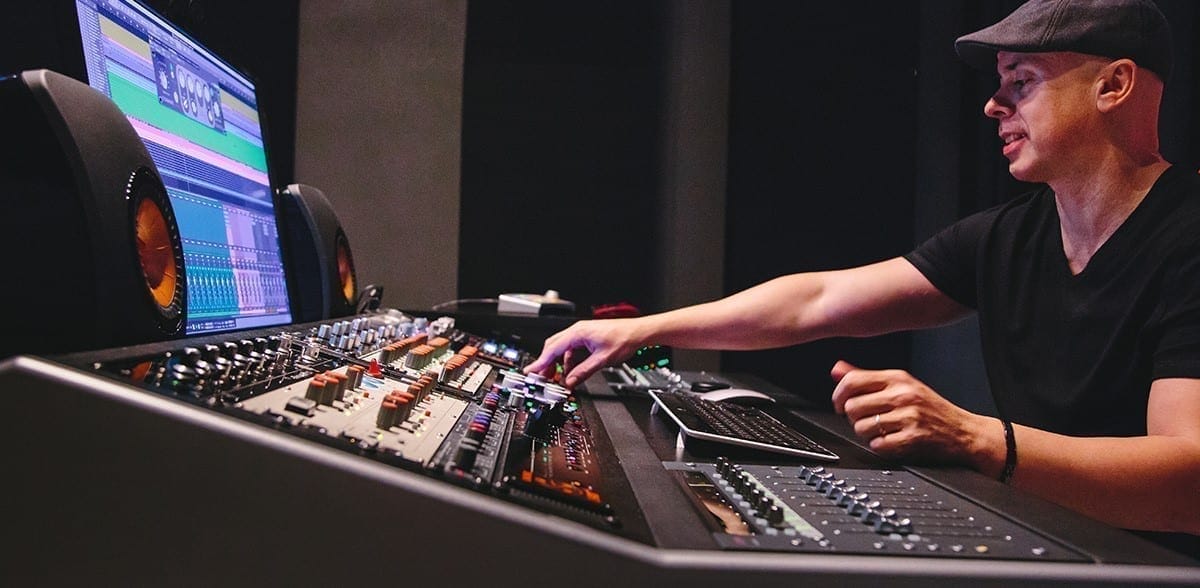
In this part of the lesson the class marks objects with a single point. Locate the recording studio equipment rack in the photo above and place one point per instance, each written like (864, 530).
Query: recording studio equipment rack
(394, 447)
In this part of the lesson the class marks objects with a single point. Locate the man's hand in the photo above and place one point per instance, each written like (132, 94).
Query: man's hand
(585, 347)
(902, 417)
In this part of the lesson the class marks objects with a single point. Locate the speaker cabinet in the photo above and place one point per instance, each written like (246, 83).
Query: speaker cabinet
(322, 267)
(95, 257)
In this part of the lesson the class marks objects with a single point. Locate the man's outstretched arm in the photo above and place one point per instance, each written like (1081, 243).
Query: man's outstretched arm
(869, 300)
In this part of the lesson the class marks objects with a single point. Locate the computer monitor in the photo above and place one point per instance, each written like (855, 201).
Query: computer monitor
(200, 121)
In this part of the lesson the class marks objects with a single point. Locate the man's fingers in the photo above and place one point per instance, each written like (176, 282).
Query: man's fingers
(840, 369)
(584, 370)
(854, 381)
(867, 405)
(554, 348)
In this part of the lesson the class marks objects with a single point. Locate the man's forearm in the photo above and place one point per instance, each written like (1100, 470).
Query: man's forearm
(784, 311)
(869, 300)
(1148, 483)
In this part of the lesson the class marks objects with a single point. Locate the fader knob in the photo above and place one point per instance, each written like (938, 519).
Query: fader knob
(870, 516)
(869, 511)
(845, 496)
(464, 458)
(816, 478)
(856, 503)
(316, 389)
(355, 374)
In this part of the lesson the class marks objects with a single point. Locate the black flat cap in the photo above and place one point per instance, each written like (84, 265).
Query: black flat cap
(1133, 29)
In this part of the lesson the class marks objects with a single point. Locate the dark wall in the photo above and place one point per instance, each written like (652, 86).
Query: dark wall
(559, 158)
(821, 164)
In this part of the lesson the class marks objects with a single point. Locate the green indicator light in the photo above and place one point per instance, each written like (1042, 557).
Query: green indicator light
(663, 362)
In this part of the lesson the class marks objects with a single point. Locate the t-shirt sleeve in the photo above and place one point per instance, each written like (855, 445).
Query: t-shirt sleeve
(948, 259)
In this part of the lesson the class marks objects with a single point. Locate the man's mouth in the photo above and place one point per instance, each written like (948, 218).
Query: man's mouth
(1012, 142)
(1009, 138)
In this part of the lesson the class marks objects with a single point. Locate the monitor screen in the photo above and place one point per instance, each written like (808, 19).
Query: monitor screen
(200, 121)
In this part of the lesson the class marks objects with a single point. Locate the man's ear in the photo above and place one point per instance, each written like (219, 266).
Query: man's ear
(1115, 83)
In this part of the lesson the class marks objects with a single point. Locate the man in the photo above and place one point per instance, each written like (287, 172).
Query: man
(1088, 290)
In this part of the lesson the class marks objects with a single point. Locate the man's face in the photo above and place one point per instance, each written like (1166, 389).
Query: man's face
(1046, 107)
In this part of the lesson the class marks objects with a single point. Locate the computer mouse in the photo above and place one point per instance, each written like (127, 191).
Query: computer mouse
(738, 396)
(708, 386)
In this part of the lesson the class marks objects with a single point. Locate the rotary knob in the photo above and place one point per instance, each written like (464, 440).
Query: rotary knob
(722, 466)
(182, 377)
(190, 355)
(774, 515)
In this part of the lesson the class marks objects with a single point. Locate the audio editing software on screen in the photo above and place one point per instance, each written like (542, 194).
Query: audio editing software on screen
(200, 122)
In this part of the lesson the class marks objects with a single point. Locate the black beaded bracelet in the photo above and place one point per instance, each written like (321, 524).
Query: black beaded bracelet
(1010, 457)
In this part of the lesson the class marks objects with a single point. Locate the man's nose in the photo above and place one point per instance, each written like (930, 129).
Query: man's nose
(996, 107)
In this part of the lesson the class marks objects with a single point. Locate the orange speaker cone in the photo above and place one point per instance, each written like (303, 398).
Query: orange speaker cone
(155, 252)
(345, 265)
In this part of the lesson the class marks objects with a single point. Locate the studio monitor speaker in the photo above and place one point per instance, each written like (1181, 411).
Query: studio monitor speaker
(94, 254)
(325, 285)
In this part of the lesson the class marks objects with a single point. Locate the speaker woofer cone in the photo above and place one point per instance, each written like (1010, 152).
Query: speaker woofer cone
(159, 248)
(345, 267)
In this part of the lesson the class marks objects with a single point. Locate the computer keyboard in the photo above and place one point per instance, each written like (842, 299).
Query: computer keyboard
(746, 426)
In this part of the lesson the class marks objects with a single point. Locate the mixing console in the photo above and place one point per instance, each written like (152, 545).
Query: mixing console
(415, 411)
(404, 390)
(789, 508)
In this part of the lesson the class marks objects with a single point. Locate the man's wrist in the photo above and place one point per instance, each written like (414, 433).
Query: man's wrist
(1010, 452)
(990, 448)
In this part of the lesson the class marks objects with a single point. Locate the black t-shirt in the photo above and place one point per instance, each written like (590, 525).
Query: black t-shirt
(1076, 354)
